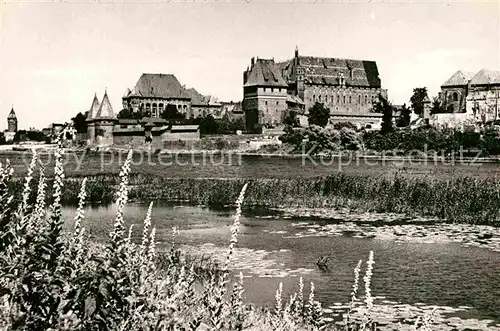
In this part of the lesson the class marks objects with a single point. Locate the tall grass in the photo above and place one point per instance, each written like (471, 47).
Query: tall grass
(458, 199)
(51, 279)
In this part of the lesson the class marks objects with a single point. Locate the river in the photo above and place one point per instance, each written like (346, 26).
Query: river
(449, 276)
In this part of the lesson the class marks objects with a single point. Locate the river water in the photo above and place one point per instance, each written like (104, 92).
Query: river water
(459, 279)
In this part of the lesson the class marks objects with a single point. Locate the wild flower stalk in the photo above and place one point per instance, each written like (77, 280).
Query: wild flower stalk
(80, 211)
(152, 251)
(368, 297)
(117, 233)
(367, 280)
(236, 226)
(40, 195)
(27, 181)
(278, 297)
(354, 291)
(300, 295)
(145, 230)
(55, 208)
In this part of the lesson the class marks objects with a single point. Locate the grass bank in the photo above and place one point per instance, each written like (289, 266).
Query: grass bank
(458, 199)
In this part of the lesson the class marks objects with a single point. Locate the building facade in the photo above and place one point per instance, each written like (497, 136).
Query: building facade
(264, 94)
(477, 95)
(153, 92)
(347, 87)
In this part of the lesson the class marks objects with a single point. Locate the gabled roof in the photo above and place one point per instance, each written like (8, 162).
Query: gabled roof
(197, 99)
(94, 108)
(12, 114)
(459, 78)
(265, 73)
(159, 85)
(484, 77)
(105, 110)
(323, 70)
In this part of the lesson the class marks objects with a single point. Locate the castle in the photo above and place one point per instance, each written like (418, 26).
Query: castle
(347, 87)
(12, 128)
(105, 129)
(477, 95)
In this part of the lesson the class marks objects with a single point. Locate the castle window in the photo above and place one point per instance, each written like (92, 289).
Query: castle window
(350, 100)
(277, 102)
(314, 97)
(272, 89)
(359, 99)
(266, 103)
(344, 100)
(265, 89)
(153, 112)
(338, 98)
(331, 100)
(366, 98)
(319, 98)
(455, 96)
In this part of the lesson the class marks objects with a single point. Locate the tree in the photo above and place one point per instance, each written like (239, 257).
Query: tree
(208, 125)
(291, 119)
(79, 122)
(437, 108)
(417, 99)
(385, 107)
(318, 115)
(2, 138)
(172, 114)
(404, 119)
(129, 114)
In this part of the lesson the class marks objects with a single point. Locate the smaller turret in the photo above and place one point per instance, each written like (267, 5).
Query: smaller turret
(12, 121)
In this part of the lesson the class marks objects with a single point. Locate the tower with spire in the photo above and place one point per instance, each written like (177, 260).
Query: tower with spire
(101, 121)
(12, 121)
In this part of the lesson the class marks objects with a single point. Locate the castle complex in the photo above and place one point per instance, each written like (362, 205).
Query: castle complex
(475, 94)
(347, 87)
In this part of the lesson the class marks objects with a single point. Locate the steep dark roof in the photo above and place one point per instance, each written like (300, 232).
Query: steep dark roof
(322, 70)
(94, 108)
(459, 78)
(12, 114)
(105, 110)
(159, 85)
(265, 73)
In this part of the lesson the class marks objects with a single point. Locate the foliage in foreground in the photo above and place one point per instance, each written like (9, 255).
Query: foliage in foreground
(56, 280)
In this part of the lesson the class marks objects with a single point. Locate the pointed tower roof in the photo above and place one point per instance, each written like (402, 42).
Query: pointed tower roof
(94, 108)
(12, 114)
(105, 110)
(459, 78)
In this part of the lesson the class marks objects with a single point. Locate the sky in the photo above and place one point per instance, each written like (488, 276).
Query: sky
(55, 55)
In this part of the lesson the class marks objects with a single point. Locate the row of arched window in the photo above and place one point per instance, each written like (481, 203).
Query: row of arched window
(157, 108)
(343, 99)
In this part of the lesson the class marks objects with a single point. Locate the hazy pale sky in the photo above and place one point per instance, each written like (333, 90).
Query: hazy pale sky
(55, 56)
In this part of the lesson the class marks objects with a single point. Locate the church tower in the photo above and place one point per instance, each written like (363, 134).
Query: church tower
(12, 121)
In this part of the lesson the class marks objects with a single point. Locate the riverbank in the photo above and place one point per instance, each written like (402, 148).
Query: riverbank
(458, 199)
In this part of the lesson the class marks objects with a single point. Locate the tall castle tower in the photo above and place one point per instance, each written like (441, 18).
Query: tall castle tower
(12, 121)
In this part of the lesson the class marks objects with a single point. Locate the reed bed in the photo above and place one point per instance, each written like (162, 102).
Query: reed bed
(457, 199)
(52, 279)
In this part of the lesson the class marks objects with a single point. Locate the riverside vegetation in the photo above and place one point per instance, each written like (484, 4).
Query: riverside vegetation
(456, 199)
(52, 279)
